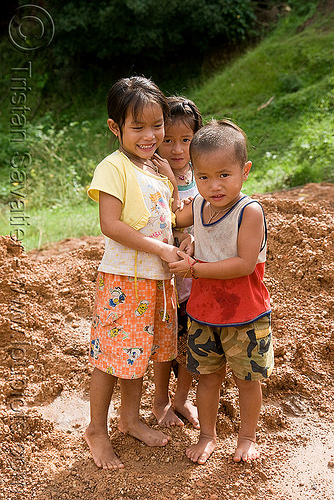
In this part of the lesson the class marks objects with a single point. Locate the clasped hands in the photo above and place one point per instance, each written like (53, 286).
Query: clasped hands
(182, 267)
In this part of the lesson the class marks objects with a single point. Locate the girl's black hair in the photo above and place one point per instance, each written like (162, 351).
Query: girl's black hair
(134, 94)
(185, 110)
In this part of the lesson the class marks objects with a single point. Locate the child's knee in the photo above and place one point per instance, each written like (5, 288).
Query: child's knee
(245, 384)
(216, 377)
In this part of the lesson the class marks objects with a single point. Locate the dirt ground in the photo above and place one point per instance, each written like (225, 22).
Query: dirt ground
(46, 301)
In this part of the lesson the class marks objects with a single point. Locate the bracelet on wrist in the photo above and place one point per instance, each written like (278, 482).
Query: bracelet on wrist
(192, 269)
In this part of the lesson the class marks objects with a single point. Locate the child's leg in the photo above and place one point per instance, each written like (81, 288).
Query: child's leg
(250, 399)
(165, 337)
(130, 422)
(208, 393)
(96, 435)
(162, 407)
(181, 402)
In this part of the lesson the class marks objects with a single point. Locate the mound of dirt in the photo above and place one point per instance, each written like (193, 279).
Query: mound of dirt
(46, 301)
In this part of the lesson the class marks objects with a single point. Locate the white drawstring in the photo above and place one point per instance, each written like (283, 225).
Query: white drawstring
(136, 284)
(165, 301)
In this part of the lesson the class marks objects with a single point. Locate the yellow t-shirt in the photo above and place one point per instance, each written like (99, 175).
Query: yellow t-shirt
(146, 201)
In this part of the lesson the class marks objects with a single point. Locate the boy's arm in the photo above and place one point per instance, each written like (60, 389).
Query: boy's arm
(250, 238)
(111, 226)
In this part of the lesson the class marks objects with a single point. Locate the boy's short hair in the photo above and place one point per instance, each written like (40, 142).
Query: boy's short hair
(220, 134)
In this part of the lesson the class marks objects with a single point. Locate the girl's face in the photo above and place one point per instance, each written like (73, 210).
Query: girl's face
(140, 137)
(175, 146)
(219, 180)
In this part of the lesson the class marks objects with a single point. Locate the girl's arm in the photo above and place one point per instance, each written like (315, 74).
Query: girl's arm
(250, 238)
(112, 227)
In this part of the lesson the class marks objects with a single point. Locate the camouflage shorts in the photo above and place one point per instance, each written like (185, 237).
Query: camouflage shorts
(247, 349)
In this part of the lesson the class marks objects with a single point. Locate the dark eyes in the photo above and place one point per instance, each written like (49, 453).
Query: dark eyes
(160, 125)
(169, 141)
(204, 177)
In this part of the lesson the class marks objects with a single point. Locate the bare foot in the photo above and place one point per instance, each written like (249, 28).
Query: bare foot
(188, 411)
(101, 450)
(246, 450)
(201, 451)
(141, 431)
(165, 415)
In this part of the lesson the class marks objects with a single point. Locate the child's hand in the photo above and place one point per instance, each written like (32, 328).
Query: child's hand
(187, 201)
(169, 253)
(188, 245)
(182, 267)
(163, 166)
(182, 203)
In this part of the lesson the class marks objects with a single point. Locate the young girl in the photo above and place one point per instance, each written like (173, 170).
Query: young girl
(134, 317)
(185, 119)
(229, 305)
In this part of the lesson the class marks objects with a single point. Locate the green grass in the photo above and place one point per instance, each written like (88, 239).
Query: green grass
(49, 225)
(290, 138)
(281, 92)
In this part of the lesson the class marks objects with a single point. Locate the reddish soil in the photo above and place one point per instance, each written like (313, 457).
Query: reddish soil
(46, 301)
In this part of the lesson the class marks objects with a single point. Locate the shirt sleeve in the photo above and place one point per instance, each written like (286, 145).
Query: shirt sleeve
(107, 178)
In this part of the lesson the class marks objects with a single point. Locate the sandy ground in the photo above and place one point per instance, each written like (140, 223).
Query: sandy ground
(46, 301)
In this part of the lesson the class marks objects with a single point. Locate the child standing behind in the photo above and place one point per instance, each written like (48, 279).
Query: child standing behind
(229, 305)
(134, 317)
(185, 119)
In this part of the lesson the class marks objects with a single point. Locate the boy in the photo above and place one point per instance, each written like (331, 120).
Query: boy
(229, 306)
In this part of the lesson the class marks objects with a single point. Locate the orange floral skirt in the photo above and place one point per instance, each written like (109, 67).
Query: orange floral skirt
(132, 323)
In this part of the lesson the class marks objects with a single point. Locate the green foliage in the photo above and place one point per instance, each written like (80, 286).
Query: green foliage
(149, 29)
(287, 83)
(63, 162)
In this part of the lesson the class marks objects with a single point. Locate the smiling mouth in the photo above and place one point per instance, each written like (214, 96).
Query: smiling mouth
(144, 147)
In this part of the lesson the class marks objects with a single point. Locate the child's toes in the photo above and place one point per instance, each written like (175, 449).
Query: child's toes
(203, 458)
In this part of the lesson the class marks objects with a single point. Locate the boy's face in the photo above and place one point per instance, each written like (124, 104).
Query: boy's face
(219, 178)
(175, 146)
(142, 136)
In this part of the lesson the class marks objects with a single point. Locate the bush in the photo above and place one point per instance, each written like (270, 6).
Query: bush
(151, 30)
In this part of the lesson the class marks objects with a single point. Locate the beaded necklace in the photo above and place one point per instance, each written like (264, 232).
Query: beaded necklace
(185, 177)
